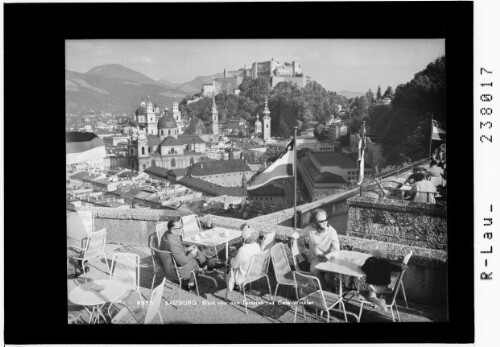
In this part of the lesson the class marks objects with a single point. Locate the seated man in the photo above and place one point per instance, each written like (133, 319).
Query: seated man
(321, 243)
(190, 258)
(434, 170)
(411, 178)
(424, 190)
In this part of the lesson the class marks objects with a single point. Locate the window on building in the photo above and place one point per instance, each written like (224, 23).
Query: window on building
(142, 149)
(172, 162)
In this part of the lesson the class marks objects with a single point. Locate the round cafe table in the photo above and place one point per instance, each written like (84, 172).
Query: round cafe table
(85, 295)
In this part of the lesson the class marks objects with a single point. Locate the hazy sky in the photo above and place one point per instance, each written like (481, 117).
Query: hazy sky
(341, 64)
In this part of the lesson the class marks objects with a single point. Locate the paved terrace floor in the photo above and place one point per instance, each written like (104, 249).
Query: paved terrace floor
(211, 306)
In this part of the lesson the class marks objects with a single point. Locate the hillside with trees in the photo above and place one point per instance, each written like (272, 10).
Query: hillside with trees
(289, 105)
(403, 125)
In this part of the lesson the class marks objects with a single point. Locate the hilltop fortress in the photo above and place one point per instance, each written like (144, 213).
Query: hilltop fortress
(273, 69)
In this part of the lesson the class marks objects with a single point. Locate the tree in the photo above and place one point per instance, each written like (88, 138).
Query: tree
(406, 132)
(379, 93)
(388, 92)
(369, 96)
(320, 131)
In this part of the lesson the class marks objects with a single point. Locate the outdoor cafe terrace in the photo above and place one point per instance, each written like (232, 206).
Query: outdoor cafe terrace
(128, 231)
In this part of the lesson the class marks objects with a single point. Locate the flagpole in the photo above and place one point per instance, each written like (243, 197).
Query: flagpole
(294, 177)
(362, 169)
(430, 141)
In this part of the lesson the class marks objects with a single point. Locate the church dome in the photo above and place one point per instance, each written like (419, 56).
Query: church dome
(141, 111)
(167, 121)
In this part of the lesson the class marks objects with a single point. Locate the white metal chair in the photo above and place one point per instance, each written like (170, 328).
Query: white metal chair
(160, 230)
(190, 225)
(153, 243)
(139, 315)
(267, 241)
(125, 268)
(309, 293)
(406, 260)
(87, 220)
(259, 264)
(392, 293)
(93, 248)
(171, 264)
(281, 266)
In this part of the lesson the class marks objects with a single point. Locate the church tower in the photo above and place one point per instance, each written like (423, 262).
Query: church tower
(267, 123)
(215, 118)
(258, 125)
(142, 145)
(151, 127)
(177, 116)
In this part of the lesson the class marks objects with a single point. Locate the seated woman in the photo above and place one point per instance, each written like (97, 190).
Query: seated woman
(378, 275)
(237, 272)
(424, 191)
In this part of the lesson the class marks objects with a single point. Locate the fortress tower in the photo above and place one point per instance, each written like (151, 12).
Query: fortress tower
(267, 123)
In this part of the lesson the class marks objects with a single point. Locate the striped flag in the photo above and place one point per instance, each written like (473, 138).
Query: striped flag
(82, 147)
(437, 132)
(361, 157)
(281, 168)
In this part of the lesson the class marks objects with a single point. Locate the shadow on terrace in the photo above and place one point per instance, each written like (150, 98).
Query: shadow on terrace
(127, 231)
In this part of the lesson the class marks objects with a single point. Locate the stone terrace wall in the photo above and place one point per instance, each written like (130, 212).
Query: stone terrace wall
(130, 226)
(406, 222)
(333, 204)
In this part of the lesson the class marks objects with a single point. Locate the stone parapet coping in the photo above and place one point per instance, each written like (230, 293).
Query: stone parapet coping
(288, 213)
(421, 256)
(398, 206)
(132, 213)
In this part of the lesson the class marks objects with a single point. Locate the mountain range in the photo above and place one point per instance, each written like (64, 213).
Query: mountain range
(114, 88)
(349, 94)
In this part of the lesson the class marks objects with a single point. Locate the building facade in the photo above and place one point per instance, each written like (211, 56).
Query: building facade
(226, 173)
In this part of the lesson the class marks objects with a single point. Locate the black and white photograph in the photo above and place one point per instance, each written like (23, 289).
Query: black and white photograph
(256, 181)
(237, 172)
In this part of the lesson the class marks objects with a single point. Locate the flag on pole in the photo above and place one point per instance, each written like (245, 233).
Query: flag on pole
(281, 168)
(361, 157)
(438, 133)
(82, 147)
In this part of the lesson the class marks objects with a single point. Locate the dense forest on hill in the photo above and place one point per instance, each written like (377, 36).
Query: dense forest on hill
(403, 125)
